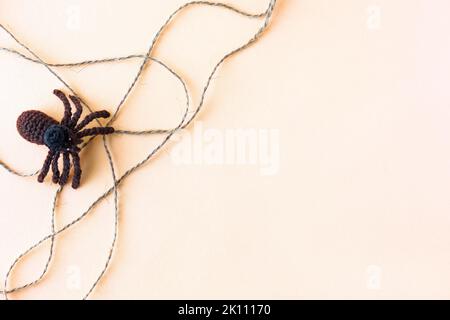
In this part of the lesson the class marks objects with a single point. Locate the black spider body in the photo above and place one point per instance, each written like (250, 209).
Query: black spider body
(58, 138)
(61, 138)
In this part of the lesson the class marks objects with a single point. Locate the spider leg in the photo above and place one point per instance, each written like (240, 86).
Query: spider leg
(95, 131)
(73, 122)
(91, 117)
(66, 169)
(76, 169)
(55, 168)
(46, 166)
(67, 108)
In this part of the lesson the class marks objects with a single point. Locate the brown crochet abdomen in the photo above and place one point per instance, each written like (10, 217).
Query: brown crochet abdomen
(32, 125)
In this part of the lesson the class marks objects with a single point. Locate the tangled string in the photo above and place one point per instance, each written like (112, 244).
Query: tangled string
(184, 122)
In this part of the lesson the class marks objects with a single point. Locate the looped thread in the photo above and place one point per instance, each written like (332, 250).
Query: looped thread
(184, 122)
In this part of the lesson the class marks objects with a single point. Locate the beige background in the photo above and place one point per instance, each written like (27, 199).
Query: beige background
(357, 95)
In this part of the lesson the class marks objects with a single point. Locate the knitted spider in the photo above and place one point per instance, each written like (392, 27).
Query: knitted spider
(61, 138)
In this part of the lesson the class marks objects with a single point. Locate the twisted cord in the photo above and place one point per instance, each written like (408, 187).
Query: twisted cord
(47, 263)
(171, 71)
(268, 13)
(105, 145)
(183, 123)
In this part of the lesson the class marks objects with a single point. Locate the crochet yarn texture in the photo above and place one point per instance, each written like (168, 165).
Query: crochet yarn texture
(61, 138)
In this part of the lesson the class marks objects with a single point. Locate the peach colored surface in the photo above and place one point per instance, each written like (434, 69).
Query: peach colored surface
(354, 96)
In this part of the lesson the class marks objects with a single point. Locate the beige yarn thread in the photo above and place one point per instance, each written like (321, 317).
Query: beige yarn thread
(185, 122)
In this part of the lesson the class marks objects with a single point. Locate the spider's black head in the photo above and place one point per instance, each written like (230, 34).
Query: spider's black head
(57, 138)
